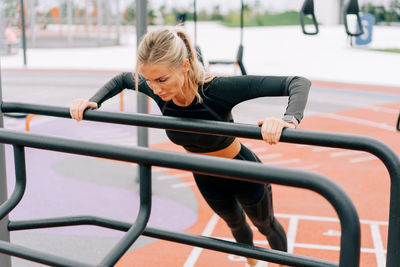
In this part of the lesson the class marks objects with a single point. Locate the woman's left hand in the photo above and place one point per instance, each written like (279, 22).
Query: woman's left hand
(271, 129)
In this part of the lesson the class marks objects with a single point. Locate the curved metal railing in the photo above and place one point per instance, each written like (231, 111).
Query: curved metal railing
(242, 170)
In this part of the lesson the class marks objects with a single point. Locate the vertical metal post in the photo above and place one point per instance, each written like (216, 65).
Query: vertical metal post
(5, 260)
(118, 22)
(32, 21)
(23, 29)
(195, 21)
(69, 22)
(241, 21)
(99, 21)
(142, 106)
(3, 43)
(341, 7)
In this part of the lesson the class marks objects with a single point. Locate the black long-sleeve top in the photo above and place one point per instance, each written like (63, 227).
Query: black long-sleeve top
(219, 96)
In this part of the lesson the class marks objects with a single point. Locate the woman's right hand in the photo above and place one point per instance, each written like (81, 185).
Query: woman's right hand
(78, 106)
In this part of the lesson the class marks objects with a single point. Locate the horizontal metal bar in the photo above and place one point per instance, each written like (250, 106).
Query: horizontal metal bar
(38, 256)
(235, 169)
(184, 238)
(349, 141)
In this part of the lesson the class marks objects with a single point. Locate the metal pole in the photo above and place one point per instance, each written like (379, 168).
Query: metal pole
(241, 21)
(341, 7)
(142, 106)
(5, 260)
(32, 22)
(195, 22)
(23, 29)
(69, 21)
(118, 22)
(3, 42)
(99, 20)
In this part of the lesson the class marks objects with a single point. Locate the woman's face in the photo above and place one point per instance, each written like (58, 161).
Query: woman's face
(165, 81)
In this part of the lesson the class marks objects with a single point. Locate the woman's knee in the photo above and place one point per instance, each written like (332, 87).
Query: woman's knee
(261, 210)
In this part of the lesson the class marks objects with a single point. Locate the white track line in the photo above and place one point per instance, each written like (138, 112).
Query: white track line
(383, 109)
(379, 125)
(325, 219)
(376, 238)
(173, 176)
(345, 153)
(362, 159)
(182, 185)
(259, 149)
(195, 253)
(309, 167)
(270, 156)
(322, 149)
(291, 234)
(283, 162)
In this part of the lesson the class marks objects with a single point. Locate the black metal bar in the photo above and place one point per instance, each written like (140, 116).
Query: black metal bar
(38, 256)
(143, 217)
(184, 238)
(398, 123)
(20, 182)
(241, 170)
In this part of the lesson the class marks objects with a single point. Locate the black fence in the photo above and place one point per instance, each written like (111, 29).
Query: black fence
(145, 157)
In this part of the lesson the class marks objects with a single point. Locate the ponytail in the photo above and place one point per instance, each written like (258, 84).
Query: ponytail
(196, 74)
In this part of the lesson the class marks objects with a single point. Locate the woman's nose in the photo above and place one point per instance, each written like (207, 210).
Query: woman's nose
(153, 86)
(156, 89)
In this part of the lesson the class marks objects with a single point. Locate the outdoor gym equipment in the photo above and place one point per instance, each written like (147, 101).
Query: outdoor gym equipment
(239, 54)
(350, 238)
(308, 9)
(196, 46)
(352, 8)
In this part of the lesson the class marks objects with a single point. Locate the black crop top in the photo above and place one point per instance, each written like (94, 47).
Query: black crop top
(219, 96)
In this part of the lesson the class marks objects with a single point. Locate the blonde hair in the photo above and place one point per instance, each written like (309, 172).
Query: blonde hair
(172, 47)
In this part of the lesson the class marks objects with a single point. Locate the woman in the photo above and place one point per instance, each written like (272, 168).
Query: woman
(171, 74)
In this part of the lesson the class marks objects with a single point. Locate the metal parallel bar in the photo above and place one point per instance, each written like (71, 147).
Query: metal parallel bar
(143, 217)
(350, 239)
(23, 28)
(338, 140)
(184, 238)
(20, 182)
(38, 256)
(347, 141)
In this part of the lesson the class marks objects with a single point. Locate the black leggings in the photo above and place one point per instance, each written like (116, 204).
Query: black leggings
(229, 198)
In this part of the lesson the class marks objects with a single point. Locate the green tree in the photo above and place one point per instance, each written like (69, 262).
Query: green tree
(216, 13)
(129, 14)
(10, 8)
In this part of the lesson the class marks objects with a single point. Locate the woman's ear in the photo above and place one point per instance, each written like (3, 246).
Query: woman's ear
(186, 65)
